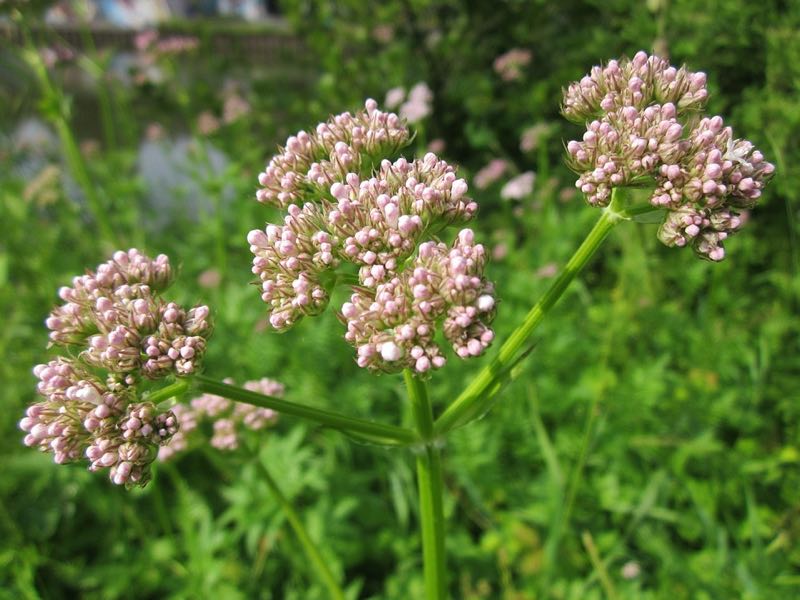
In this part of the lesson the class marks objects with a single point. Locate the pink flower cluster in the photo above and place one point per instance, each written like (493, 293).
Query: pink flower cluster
(373, 214)
(123, 332)
(623, 148)
(643, 130)
(54, 55)
(227, 418)
(380, 220)
(639, 82)
(117, 314)
(311, 162)
(703, 189)
(418, 105)
(511, 64)
(375, 223)
(518, 187)
(392, 325)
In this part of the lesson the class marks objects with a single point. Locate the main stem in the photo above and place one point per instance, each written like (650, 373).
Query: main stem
(72, 153)
(429, 481)
(468, 404)
(311, 550)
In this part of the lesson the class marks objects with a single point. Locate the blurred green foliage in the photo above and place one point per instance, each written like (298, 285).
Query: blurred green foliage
(657, 422)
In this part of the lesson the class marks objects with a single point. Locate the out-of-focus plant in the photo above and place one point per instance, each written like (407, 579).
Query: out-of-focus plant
(357, 214)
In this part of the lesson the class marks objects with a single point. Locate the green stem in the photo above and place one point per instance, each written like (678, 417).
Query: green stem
(378, 433)
(599, 565)
(429, 480)
(568, 500)
(56, 114)
(98, 73)
(468, 405)
(169, 391)
(311, 550)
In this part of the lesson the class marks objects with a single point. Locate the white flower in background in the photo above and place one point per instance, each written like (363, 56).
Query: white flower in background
(518, 187)
(490, 173)
(418, 105)
(395, 97)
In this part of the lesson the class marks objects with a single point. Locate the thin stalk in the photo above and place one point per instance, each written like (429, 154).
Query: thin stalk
(431, 485)
(467, 405)
(56, 114)
(169, 391)
(599, 565)
(98, 72)
(561, 522)
(378, 433)
(312, 552)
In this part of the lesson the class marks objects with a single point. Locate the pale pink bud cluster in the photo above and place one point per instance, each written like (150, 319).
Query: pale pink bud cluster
(289, 261)
(393, 325)
(624, 147)
(533, 136)
(702, 174)
(377, 215)
(381, 220)
(714, 170)
(151, 42)
(716, 176)
(418, 104)
(96, 297)
(703, 228)
(124, 331)
(83, 415)
(311, 162)
(234, 108)
(53, 55)
(124, 324)
(227, 418)
(639, 82)
(518, 187)
(375, 223)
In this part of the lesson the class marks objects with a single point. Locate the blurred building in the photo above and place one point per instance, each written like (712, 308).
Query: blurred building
(139, 14)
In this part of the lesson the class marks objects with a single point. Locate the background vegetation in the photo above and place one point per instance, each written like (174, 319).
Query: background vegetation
(651, 449)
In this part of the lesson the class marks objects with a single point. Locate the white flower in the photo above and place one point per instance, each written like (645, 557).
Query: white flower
(418, 105)
(395, 97)
(519, 187)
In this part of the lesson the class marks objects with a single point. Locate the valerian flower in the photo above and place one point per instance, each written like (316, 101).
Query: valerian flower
(643, 127)
(123, 334)
(393, 324)
(362, 206)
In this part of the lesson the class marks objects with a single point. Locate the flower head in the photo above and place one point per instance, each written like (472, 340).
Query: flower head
(393, 325)
(490, 173)
(418, 104)
(379, 215)
(124, 333)
(311, 162)
(642, 128)
(639, 82)
(624, 147)
(395, 97)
